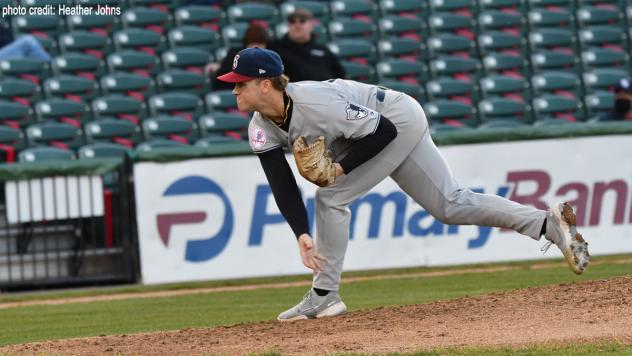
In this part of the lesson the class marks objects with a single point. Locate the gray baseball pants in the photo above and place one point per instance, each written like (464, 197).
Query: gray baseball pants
(413, 161)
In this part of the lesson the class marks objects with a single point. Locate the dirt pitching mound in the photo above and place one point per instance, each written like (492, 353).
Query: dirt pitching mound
(569, 313)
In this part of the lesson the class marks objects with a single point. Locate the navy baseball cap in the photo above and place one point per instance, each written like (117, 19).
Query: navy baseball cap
(252, 63)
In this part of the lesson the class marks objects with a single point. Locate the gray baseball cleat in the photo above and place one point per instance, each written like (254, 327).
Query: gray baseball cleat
(313, 306)
(561, 230)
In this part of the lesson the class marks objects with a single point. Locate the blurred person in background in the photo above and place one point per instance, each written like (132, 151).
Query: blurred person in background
(25, 46)
(304, 58)
(255, 36)
(622, 107)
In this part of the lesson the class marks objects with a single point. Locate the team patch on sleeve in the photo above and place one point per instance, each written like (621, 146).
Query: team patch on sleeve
(257, 137)
(359, 112)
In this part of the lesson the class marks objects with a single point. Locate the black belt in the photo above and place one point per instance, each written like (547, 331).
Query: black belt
(380, 94)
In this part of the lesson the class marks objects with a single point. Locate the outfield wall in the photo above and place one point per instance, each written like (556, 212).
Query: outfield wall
(215, 218)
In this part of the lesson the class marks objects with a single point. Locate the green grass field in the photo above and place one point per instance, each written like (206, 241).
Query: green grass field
(33, 323)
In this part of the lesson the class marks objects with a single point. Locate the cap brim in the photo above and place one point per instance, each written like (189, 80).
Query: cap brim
(232, 77)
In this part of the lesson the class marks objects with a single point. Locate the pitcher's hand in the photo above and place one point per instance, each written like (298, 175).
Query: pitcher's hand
(310, 258)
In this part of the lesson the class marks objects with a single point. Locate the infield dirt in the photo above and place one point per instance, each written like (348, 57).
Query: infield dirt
(583, 312)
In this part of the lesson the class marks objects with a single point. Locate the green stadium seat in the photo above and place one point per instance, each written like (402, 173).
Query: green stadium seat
(505, 64)
(454, 23)
(159, 145)
(100, 24)
(343, 27)
(552, 60)
(86, 42)
(145, 18)
(79, 64)
(112, 130)
(221, 100)
(506, 124)
(14, 114)
(598, 102)
(33, 70)
(463, 7)
(232, 34)
(189, 59)
(47, 26)
(249, 12)
(11, 141)
(505, 86)
(185, 105)
(612, 37)
(402, 48)
(138, 39)
(599, 15)
(182, 81)
(558, 83)
(411, 89)
(118, 106)
(551, 121)
(504, 109)
(501, 20)
(201, 16)
(191, 36)
(503, 42)
(128, 84)
(410, 8)
(214, 141)
(437, 127)
(19, 90)
(553, 4)
(550, 18)
(223, 124)
(402, 26)
(603, 78)
(558, 106)
(595, 57)
(456, 67)
(45, 154)
(102, 150)
(451, 112)
(42, 3)
(452, 89)
(509, 6)
(400, 69)
(355, 50)
(135, 62)
(166, 6)
(360, 72)
(166, 127)
(555, 39)
(57, 134)
(364, 10)
(71, 87)
(94, 3)
(450, 45)
(62, 110)
(319, 9)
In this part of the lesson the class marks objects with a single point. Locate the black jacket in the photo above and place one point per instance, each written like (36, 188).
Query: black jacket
(225, 66)
(307, 61)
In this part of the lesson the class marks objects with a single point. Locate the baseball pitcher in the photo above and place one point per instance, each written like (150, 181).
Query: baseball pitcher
(346, 137)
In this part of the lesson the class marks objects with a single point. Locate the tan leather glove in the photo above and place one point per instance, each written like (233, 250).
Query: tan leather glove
(313, 161)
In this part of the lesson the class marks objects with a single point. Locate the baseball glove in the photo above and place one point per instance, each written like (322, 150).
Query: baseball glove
(314, 162)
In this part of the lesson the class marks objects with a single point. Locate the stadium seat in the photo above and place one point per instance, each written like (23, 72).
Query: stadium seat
(551, 18)
(358, 71)
(232, 34)
(215, 140)
(135, 62)
(414, 90)
(599, 15)
(501, 20)
(19, 90)
(552, 60)
(11, 141)
(343, 27)
(402, 48)
(100, 24)
(452, 89)
(319, 9)
(603, 78)
(508, 6)
(118, 106)
(84, 42)
(451, 112)
(182, 81)
(14, 114)
(557, 106)
(504, 109)
(505, 64)
(189, 59)
(128, 84)
(166, 6)
(408, 8)
(101, 150)
(595, 57)
(224, 124)
(354, 50)
(57, 134)
(506, 124)
(159, 145)
(364, 10)
(501, 42)
(166, 127)
(451, 45)
(598, 102)
(207, 17)
(33, 70)
(111, 130)
(221, 100)
(145, 18)
(454, 23)
(437, 127)
(71, 87)
(455, 67)
(266, 14)
(46, 26)
(462, 7)
(553, 4)
(555, 39)
(45, 154)
(400, 69)
(41, 3)
(191, 36)
(558, 83)
(185, 105)
(551, 121)
(138, 39)
(62, 110)
(401, 26)
(95, 3)
(78, 64)
(505, 86)
(611, 37)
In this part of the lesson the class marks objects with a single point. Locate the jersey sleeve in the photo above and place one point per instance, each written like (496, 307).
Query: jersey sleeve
(352, 120)
(261, 136)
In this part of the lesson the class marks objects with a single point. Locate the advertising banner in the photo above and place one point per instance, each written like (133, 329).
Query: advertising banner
(216, 218)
